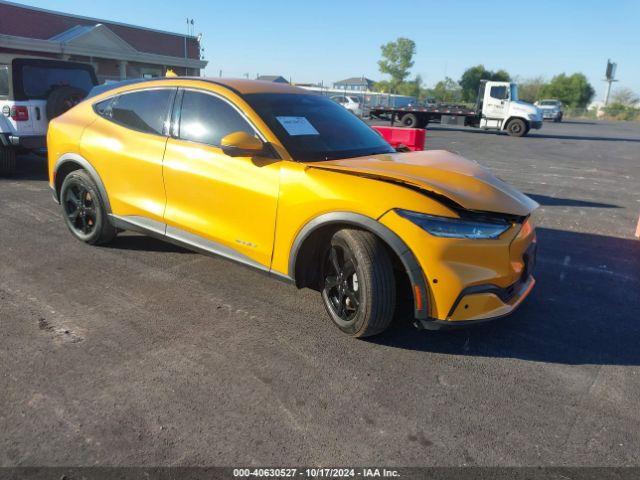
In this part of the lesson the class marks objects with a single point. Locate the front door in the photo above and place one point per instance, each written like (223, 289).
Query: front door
(219, 203)
(496, 101)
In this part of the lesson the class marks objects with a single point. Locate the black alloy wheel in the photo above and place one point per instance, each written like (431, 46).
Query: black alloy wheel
(84, 211)
(80, 208)
(341, 288)
(358, 284)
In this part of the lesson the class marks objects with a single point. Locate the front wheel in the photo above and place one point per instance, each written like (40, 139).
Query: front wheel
(84, 211)
(517, 128)
(359, 286)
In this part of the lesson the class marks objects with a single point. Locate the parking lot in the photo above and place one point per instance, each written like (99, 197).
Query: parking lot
(142, 353)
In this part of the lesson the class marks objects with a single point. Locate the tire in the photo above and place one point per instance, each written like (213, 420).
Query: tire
(62, 99)
(517, 128)
(409, 120)
(84, 211)
(7, 161)
(558, 119)
(358, 288)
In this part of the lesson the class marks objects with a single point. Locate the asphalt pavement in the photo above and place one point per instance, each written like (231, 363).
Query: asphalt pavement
(142, 353)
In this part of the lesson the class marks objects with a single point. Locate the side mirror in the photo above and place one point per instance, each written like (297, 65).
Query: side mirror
(241, 144)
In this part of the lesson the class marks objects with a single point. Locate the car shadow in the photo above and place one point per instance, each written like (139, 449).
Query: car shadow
(568, 202)
(30, 167)
(583, 310)
(577, 122)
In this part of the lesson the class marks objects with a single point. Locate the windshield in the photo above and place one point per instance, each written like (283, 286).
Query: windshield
(514, 91)
(552, 103)
(313, 128)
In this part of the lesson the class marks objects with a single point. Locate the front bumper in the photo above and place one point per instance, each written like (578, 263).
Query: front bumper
(550, 115)
(491, 298)
(471, 281)
(30, 142)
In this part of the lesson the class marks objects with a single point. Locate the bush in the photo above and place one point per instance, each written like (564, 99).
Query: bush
(618, 111)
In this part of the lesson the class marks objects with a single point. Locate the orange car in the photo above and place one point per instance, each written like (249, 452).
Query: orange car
(293, 184)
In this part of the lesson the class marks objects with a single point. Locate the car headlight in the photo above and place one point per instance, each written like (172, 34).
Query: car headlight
(455, 227)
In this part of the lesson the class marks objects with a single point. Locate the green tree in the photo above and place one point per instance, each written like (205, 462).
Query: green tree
(470, 80)
(574, 90)
(530, 89)
(447, 91)
(383, 86)
(397, 60)
(412, 88)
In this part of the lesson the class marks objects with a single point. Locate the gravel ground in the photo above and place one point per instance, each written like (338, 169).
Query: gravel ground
(142, 353)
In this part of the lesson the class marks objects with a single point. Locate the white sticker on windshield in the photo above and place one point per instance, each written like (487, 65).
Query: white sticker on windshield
(297, 126)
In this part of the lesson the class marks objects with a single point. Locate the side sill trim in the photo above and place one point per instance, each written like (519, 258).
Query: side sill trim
(188, 240)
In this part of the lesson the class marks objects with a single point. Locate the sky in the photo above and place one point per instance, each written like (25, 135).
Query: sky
(331, 40)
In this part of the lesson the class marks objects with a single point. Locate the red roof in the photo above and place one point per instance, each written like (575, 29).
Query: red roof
(31, 22)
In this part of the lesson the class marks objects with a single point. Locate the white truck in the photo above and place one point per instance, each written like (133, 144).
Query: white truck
(32, 92)
(497, 108)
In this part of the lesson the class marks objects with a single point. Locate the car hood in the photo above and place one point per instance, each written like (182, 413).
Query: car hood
(442, 174)
(548, 107)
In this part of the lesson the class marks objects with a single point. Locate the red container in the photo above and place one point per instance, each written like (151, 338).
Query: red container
(412, 138)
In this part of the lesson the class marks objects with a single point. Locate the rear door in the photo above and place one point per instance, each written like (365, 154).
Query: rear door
(126, 145)
(35, 79)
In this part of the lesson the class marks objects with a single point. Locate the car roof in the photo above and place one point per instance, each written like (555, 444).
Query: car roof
(240, 86)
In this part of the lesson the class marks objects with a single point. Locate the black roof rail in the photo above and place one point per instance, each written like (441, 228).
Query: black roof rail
(105, 87)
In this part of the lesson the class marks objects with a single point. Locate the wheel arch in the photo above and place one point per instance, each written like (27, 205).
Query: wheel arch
(303, 252)
(70, 162)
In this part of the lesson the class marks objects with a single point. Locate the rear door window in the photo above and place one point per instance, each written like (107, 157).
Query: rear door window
(207, 119)
(145, 111)
(36, 79)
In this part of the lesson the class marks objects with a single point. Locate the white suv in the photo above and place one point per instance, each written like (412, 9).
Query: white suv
(551, 109)
(32, 92)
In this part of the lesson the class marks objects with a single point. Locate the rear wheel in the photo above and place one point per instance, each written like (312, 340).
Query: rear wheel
(7, 161)
(359, 286)
(409, 120)
(517, 128)
(83, 209)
